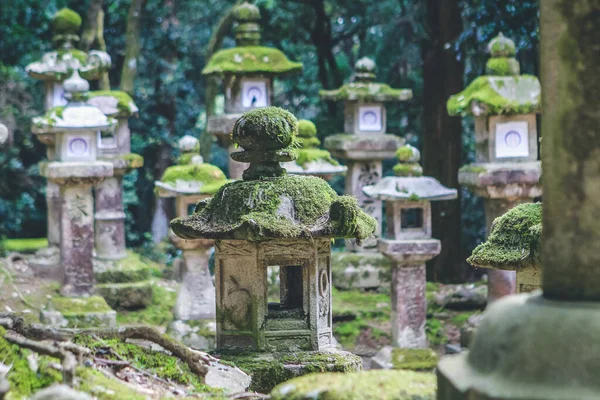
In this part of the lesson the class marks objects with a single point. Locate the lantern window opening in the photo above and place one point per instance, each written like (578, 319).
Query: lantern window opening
(107, 140)
(288, 291)
(411, 218)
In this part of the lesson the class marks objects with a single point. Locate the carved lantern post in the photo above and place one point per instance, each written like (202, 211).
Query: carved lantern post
(246, 72)
(270, 219)
(407, 198)
(76, 169)
(506, 172)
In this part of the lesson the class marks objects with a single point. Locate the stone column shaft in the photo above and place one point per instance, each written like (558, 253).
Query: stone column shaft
(409, 306)
(235, 168)
(110, 219)
(360, 174)
(196, 297)
(77, 239)
(53, 205)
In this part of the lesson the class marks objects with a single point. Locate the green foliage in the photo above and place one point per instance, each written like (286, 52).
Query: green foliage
(434, 329)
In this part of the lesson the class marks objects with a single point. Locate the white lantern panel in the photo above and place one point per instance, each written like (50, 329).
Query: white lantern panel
(107, 140)
(78, 146)
(369, 118)
(512, 139)
(58, 95)
(254, 94)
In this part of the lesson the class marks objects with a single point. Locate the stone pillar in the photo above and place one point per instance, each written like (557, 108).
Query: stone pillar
(409, 306)
(110, 219)
(53, 218)
(196, 296)
(77, 244)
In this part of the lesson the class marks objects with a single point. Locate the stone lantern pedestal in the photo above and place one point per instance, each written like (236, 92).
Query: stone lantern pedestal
(53, 68)
(246, 73)
(506, 172)
(274, 220)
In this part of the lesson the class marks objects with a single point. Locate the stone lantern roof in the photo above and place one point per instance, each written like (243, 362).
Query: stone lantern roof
(248, 57)
(114, 103)
(514, 241)
(363, 88)
(503, 90)
(191, 176)
(76, 115)
(408, 184)
(56, 65)
(310, 159)
(267, 203)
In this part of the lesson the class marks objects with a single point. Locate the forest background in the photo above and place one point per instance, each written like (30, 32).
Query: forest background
(434, 47)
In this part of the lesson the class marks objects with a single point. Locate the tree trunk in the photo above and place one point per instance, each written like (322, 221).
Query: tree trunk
(132, 45)
(104, 83)
(91, 25)
(442, 143)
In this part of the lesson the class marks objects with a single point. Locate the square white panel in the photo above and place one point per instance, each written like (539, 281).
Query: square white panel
(369, 118)
(78, 146)
(254, 94)
(58, 95)
(512, 139)
(108, 140)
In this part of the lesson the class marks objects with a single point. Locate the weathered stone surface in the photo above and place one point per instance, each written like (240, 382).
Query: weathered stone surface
(46, 263)
(53, 206)
(199, 335)
(410, 251)
(232, 379)
(503, 180)
(127, 296)
(74, 172)
(196, 296)
(82, 312)
(369, 385)
(409, 188)
(360, 270)
(60, 392)
(109, 229)
(409, 306)
(362, 147)
(464, 298)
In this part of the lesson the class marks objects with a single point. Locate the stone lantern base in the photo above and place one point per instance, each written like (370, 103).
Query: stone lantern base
(79, 312)
(270, 369)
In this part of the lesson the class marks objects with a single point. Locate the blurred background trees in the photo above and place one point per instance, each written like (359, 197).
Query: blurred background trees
(434, 47)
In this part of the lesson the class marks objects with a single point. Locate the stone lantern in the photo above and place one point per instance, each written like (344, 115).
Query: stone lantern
(190, 182)
(270, 219)
(75, 170)
(311, 160)
(363, 147)
(246, 72)
(408, 243)
(53, 68)
(506, 173)
(514, 245)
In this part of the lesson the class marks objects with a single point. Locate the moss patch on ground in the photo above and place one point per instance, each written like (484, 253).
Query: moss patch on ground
(130, 269)
(158, 313)
(24, 245)
(76, 305)
(251, 60)
(514, 241)
(376, 385)
(414, 359)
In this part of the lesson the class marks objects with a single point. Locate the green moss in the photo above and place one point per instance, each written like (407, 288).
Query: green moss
(498, 95)
(186, 158)
(24, 245)
(210, 177)
(461, 319)
(262, 209)
(348, 303)
(79, 55)
(502, 66)
(434, 330)
(130, 269)
(366, 91)
(158, 313)
(414, 359)
(269, 128)
(305, 156)
(78, 305)
(308, 143)
(123, 296)
(103, 388)
(306, 129)
(375, 385)
(251, 60)
(501, 46)
(125, 103)
(473, 168)
(514, 241)
(246, 12)
(133, 160)
(406, 154)
(408, 170)
(66, 21)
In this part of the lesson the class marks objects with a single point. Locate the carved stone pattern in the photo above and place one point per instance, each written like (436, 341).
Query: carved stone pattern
(77, 209)
(290, 249)
(235, 249)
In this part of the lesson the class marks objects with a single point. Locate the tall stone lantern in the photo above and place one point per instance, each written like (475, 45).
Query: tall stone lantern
(270, 219)
(408, 243)
(363, 147)
(310, 159)
(246, 72)
(190, 182)
(506, 173)
(53, 68)
(76, 169)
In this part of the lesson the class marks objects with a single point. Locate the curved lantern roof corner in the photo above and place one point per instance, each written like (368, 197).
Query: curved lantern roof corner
(362, 87)
(269, 204)
(514, 241)
(114, 103)
(408, 184)
(502, 90)
(248, 57)
(76, 115)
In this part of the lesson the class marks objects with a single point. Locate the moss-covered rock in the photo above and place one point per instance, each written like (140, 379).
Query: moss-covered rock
(158, 313)
(66, 21)
(124, 104)
(251, 60)
(502, 66)
(269, 128)
(80, 312)
(414, 359)
(130, 269)
(268, 370)
(514, 241)
(373, 385)
(130, 295)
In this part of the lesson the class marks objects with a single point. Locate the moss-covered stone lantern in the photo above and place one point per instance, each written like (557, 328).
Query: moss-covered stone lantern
(75, 170)
(310, 159)
(514, 245)
(53, 68)
(270, 219)
(246, 72)
(506, 173)
(408, 243)
(363, 147)
(190, 182)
